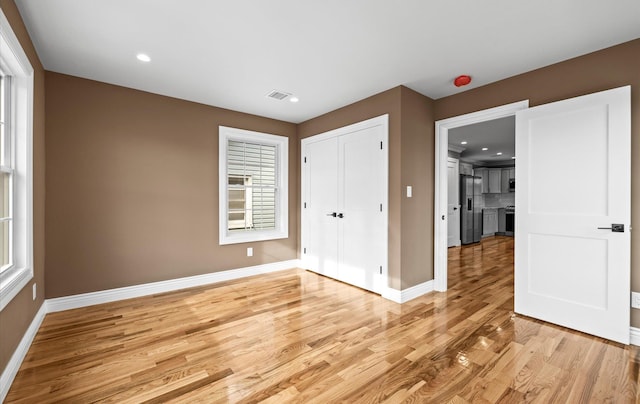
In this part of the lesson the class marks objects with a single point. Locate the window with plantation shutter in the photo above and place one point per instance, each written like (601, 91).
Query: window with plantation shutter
(16, 177)
(253, 186)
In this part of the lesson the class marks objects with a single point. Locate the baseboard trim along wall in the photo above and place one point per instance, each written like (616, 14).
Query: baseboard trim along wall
(402, 296)
(635, 336)
(13, 366)
(112, 295)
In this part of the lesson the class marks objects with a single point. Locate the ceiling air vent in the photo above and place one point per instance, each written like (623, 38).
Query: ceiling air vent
(278, 95)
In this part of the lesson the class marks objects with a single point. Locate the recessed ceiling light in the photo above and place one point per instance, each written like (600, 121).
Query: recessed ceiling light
(143, 57)
(294, 99)
(485, 148)
(463, 142)
(499, 154)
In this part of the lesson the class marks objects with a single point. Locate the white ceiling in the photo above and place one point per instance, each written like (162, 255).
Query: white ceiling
(329, 53)
(497, 135)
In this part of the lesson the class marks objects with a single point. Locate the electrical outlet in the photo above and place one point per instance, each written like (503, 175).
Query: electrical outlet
(635, 300)
(249, 251)
(34, 291)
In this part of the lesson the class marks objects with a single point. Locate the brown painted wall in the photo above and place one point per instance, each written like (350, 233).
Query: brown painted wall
(132, 188)
(613, 67)
(410, 140)
(16, 317)
(418, 141)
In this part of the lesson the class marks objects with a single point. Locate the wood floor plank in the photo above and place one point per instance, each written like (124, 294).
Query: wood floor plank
(295, 336)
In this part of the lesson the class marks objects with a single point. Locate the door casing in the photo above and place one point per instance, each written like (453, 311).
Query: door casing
(440, 194)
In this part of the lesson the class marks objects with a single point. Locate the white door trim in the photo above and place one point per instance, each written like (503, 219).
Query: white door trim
(440, 195)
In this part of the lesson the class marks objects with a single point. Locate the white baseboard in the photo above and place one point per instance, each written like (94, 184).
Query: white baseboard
(112, 295)
(634, 336)
(11, 370)
(402, 296)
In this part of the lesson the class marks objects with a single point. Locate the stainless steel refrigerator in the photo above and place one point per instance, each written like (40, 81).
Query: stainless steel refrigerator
(471, 209)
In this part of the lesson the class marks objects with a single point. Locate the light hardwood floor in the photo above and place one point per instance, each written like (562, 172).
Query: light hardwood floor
(294, 336)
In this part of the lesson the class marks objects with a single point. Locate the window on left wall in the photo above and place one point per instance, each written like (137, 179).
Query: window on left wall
(253, 186)
(16, 151)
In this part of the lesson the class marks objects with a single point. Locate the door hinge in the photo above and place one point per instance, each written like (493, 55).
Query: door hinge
(304, 250)
(305, 159)
(380, 145)
(380, 269)
(380, 207)
(305, 205)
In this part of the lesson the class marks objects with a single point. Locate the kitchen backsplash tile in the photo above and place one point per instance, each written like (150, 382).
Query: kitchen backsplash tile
(499, 200)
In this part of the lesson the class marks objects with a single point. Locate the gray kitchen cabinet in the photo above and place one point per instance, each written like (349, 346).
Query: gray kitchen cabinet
(484, 174)
(489, 221)
(502, 220)
(495, 183)
(466, 168)
(505, 180)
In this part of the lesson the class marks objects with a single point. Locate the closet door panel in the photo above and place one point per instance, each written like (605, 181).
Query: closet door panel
(322, 201)
(361, 229)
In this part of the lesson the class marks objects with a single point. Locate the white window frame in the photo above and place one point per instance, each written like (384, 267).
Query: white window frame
(14, 62)
(282, 184)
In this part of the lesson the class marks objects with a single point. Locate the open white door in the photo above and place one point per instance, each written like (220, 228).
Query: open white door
(574, 183)
(453, 202)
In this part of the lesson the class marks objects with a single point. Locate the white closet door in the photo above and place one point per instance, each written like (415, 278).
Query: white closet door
(361, 229)
(344, 171)
(321, 227)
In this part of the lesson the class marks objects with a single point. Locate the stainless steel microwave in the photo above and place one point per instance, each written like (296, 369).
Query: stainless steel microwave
(512, 185)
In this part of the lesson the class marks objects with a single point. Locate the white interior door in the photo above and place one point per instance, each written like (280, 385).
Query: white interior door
(453, 202)
(321, 199)
(361, 228)
(574, 179)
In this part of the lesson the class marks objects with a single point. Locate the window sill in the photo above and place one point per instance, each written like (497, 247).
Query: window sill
(12, 283)
(248, 237)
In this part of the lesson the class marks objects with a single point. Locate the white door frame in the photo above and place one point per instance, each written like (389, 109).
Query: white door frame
(440, 195)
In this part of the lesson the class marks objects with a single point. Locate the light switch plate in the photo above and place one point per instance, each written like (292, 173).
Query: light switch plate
(635, 300)
(249, 251)
(409, 191)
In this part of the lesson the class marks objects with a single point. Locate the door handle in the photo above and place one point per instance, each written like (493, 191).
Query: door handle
(334, 214)
(340, 215)
(615, 228)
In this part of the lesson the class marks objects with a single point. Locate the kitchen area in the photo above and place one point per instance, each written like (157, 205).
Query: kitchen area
(498, 189)
(482, 168)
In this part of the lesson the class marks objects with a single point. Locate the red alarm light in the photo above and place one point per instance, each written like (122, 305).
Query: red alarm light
(462, 80)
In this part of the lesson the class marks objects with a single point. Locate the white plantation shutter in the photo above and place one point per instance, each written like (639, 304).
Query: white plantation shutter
(252, 185)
